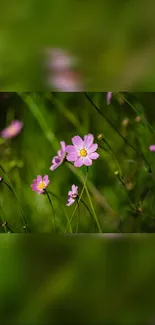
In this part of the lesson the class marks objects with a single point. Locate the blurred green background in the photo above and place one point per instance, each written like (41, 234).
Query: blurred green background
(52, 117)
(114, 41)
(76, 280)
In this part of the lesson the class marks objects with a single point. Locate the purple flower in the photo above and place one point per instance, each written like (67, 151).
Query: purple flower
(58, 160)
(40, 184)
(109, 96)
(12, 130)
(152, 147)
(82, 152)
(67, 81)
(72, 195)
(58, 59)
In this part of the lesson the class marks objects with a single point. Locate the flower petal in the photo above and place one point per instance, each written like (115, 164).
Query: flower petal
(74, 189)
(70, 202)
(46, 180)
(152, 147)
(93, 148)
(88, 140)
(79, 162)
(87, 161)
(77, 142)
(63, 145)
(71, 157)
(71, 149)
(39, 178)
(94, 155)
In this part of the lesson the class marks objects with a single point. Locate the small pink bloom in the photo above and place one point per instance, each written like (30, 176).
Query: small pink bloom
(72, 195)
(1, 179)
(82, 152)
(58, 160)
(67, 81)
(40, 184)
(12, 130)
(152, 147)
(109, 96)
(58, 59)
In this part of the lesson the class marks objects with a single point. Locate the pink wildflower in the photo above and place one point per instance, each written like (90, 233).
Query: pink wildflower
(58, 160)
(152, 147)
(82, 152)
(12, 130)
(40, 184)
(72, 195)
(109, 96)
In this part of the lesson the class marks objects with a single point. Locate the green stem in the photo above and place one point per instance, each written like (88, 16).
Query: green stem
(122, 182)
(73, 214)
(142, 117)
(92, 207)
(88, 210)
(50, 201)
(6, 226)
(118, 132)
(65, 212)
(22, 214)
(78, 217)
(113, 154)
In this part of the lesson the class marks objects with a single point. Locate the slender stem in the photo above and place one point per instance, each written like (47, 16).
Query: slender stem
(88, 210)
(23, 218)
(2, 169)
(119, 133)
(73, 214)
(78, 217)
(122, 182)
(117, 163)
(142, 117)
(50, 201)
(6, 226)
(92, 207)
(66, 214)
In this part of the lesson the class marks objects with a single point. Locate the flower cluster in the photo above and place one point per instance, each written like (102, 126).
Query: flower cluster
(81, 152)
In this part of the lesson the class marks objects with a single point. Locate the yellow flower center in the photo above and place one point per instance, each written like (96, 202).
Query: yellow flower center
(41, 185)
(83, 153)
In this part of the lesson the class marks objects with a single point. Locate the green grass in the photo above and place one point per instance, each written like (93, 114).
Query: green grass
(121, 202)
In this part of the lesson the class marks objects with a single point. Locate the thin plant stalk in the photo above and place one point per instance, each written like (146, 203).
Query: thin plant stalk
(92, 207)
(78, 201)
(13, 192)
(88, 210)
(23, 219)
(78, 219)
(66, 214)
(123, 184)
(142, 117)
(50, 201)
(113, 154)
(118, 132)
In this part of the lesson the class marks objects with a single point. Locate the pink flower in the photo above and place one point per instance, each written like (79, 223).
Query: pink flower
(40, 184)
(58, 59)
(109, 96)
(82, 152)
(12, 130)
(58, 160)
(1, 179)
(67, 81)
(152, 147)
(72, 195)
